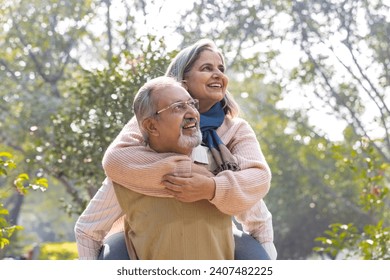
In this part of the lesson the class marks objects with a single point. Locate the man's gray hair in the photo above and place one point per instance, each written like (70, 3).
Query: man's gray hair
(184, 61)
(143, 104)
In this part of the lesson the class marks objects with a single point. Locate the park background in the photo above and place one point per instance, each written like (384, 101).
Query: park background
(311, 77)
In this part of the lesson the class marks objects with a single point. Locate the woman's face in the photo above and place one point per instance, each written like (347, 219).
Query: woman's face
(206, 80)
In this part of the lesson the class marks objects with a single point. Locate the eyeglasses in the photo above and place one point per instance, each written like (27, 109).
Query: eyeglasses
(181, 107)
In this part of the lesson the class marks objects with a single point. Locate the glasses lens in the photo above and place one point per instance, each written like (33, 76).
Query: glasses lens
(197, 104)
(181, 107)
(194, 103)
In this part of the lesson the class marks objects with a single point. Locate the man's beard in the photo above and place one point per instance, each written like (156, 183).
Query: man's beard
(190, 141)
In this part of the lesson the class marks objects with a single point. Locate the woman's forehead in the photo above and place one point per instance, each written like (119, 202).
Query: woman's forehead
(209, 56)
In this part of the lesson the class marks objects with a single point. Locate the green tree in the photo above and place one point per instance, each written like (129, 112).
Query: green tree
(22, 184)
(370, 241)
(83, 131)
(36, 42)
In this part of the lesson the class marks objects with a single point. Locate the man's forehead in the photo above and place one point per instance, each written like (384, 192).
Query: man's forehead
(171, 93)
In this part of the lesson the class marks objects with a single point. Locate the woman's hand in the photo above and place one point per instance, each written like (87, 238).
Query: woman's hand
(189, 189)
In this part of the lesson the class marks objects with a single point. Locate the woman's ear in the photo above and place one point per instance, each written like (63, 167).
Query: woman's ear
(149, 125)
(184, 84)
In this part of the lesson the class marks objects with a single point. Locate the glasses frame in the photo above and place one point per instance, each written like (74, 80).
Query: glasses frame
(196, 105)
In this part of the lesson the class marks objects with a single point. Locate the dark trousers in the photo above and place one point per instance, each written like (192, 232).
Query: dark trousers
(246, 248)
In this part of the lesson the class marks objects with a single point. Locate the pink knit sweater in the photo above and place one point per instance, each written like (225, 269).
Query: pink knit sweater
(128, 162)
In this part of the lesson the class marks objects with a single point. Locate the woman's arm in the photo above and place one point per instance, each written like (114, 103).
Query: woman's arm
(131, 164)
(96, 221)
(128, 162)
(238, 191)
(233, 192)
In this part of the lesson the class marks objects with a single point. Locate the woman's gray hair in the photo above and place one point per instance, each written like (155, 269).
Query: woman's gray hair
(143, 105)
(184, 61)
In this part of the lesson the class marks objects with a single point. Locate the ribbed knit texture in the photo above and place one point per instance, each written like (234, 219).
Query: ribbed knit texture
(236, 191)
(167, 229)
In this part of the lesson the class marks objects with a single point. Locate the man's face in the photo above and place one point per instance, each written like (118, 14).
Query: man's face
(178, 124)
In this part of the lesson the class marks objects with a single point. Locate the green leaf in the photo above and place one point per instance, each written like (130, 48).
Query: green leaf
(5, 154)
(3, 242)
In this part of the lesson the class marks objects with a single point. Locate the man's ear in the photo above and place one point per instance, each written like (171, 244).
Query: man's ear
(149, 125)
(184, 84)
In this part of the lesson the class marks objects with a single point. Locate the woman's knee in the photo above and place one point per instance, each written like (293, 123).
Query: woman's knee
(114, 248)
(248, 248)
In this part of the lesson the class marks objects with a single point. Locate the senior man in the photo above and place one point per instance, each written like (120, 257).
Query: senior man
(163, 227)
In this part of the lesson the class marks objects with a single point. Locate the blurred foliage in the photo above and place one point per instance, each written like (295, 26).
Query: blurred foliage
(370, 241)
(36, 41)
(36, 68)
(58, 251)
(22, 184)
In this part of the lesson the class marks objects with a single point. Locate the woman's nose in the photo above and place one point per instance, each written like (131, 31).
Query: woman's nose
(218, 73)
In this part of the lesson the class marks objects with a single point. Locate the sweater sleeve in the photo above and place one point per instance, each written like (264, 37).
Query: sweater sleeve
(238, 191)
(257, 221)
(96, 221)
(128, 162)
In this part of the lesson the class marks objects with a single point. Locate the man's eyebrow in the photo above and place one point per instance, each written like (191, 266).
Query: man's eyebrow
(182, 100)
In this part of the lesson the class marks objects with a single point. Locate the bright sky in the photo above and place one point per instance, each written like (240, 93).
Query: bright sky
(161, 19)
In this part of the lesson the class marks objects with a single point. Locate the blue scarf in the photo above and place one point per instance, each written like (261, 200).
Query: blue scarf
(209, 123)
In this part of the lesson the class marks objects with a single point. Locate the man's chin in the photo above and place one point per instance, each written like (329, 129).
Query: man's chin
(189, 141)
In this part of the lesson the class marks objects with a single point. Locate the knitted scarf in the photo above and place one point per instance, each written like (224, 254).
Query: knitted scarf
(209, 123)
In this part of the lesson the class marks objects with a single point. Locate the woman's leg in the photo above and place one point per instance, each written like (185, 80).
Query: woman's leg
(114, 248)
(248, 248)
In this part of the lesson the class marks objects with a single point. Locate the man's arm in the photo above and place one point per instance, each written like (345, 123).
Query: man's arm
(96, 221)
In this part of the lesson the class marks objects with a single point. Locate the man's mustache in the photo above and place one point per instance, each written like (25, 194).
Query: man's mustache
(189, 120)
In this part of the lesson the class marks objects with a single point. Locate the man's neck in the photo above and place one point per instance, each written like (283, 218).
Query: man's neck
(178, 150)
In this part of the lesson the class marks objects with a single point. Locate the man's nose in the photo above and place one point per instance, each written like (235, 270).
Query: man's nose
(191, 111)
